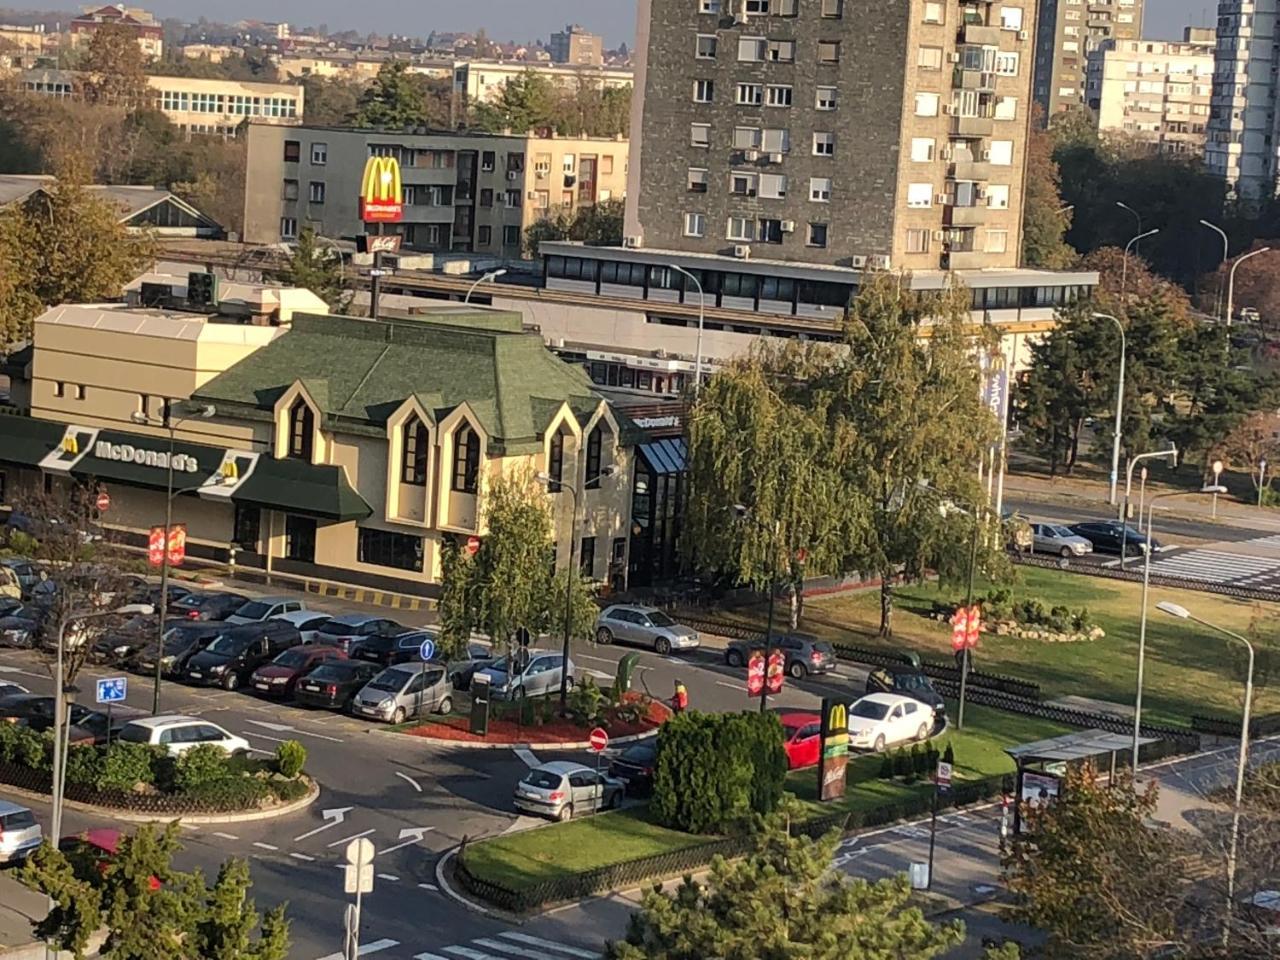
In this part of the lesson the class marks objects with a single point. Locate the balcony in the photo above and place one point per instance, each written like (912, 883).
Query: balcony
(982, 36)
(974, 216)
(978, 170)
(966, 260)
(962, 79)
(972, 127)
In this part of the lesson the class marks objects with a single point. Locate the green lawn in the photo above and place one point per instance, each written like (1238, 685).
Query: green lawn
(1189, 668)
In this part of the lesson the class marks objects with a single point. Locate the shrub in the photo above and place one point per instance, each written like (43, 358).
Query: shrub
(84, 765)
(286, 791)
(291, 757)
(231, 792)
(23, 746)
(901, 763)
(949, 754)
(715, 770)
(125, 765)
(585, 700)
(201, 764)
(919, 760)
(886, 767)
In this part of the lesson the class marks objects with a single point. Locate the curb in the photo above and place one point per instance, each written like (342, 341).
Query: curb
(466, 745)
(133, 816)
(442, 865)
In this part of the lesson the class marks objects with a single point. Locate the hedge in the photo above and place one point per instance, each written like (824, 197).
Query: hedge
(1264, 726)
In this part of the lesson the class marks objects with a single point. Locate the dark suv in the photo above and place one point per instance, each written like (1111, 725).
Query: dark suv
(230, 659)
(910, 682)
(806, 654)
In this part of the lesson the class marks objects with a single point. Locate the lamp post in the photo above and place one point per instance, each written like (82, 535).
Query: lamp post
(1226, 254)
(1182, 613)
(554, 485)
(1124, 269)
(1128, 487)
(702, 317)
(1231, 279)
(489, 277)
(1142, 621)
(1115, 442)
(1136, 215)
(171, 424)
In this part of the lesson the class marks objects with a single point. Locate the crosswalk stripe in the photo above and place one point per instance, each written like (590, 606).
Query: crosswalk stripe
(429, 956)
(550, 945)
(367, 948)
(469, 954)
(512, 949)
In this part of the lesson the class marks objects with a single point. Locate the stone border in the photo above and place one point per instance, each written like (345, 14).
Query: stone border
(543, 745)
(134, 816)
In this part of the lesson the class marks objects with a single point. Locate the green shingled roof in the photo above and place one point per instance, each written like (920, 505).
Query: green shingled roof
(360, 371)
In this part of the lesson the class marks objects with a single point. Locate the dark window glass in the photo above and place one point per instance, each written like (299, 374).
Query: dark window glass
(555, 463)
(292, 151)
(386, 549)
(595, 447)
(302, 427)
(466, 460)
(413, 468)
(300, 538)
(248, 527)
(588, 556)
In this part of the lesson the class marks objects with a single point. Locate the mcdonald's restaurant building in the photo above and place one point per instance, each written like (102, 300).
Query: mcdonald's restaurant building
(323, 450)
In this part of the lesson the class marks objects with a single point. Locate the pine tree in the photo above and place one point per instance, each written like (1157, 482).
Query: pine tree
(394, 100)
(317, 266)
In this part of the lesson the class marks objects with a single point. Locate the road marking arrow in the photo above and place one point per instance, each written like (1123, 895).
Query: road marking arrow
(334, 817)
(413, 833)
(284, 728)
(408, 779)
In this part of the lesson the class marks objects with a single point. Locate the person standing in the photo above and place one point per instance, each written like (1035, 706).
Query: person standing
(680, 702)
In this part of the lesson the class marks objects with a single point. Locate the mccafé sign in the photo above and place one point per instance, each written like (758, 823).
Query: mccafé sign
(127, 453)
(380, 191)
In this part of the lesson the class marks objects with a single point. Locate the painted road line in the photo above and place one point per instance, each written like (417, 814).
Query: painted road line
(265, 846)
(585, 656)
(302, 856)
(550, 945)
(262, 736)
(366, 949)
(508, 948)
(226, 836)
(417, 956)
(354, 836)
(409, 780)
(527, 755)
(391, 877)
(284, 728)
(427, 886)
(468, 954)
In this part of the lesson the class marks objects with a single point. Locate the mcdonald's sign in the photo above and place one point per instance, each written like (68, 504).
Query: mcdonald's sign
(380, 191)
(835, 749)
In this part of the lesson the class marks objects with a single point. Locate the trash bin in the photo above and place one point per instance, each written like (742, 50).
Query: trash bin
(480, 705)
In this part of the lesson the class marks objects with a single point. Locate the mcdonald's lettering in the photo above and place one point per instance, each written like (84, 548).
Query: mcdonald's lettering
(381, 192)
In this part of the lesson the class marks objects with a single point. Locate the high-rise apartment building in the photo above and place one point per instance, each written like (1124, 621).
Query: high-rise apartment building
(576, 46)
(1069, 30)
(1243, 123)
(832, 133)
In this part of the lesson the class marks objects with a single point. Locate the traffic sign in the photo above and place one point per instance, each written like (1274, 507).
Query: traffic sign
(473, 546)
(112, 689)
(358, 879)
(943, 777)
(103, 503)
(599, 739)
(359, 852)
(427, 650)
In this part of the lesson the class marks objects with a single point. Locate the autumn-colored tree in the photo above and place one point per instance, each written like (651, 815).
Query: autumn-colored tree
(1045, 218)
(1257, 285)
(113, 70)
(1255, 438)
(599, 224)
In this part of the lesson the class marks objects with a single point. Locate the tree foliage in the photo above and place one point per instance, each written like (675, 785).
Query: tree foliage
(397, 98)
(1044, 219)
(782, 902)
(113, 69)
(599, 224)
(317, 266)
(331, 101)
(533, 102)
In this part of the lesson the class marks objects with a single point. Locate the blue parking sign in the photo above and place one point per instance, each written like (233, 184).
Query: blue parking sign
(112, 689)
(427, 650)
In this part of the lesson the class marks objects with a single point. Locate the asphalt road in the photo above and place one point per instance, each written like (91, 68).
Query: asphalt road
(1167, 529)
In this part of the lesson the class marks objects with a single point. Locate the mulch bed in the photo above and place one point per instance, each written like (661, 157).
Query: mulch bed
(457, 728)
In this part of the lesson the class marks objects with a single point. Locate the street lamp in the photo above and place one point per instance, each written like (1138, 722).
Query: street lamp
(489, 277)
(1128, 488)
(702, 317)
(1231, 278)
(171, 424)
(1182, 613)
(744, 512)
(1142, 622)
(554, 485)
(1136, 215)
(1124, 269)
(1226, 254)
(1115, 443)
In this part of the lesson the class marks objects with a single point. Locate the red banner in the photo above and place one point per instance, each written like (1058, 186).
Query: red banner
(155, 547)
(966, 626)
(755, 673)
(177, 544)
(974, 627)
(777, 664)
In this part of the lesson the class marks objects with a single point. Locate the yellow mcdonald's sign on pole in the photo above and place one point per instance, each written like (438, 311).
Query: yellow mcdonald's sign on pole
(381, 194)
(834, 758)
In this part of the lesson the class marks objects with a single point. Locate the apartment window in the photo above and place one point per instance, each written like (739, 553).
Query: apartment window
(80, 391)
(929, 58)
(751, 49)
(59, 388)
(292, 151)
(922, 149)
(769, 230)
(299, 538)
(288, 228)
(828, 51)
(706, 48)
(743, 183)
(820, 189)
(566, 198)
(698, 180)
(1001, 153)
(741, 228)
(290, 190)
(746, 138)
(833, 8)
(782, 51)
(997, 241)
(695, 225)
(382, 548)
(488, 161)
(315, 191)
(568, 162)
(595, 458)
(1006, 108)
(413, 461)
(920, 195)
(587, 552)
(466, 460)
(700, 134)
(703, 91)
(779, 95)
(757, 6)
(511, 236)
(775, 140)
(926, 104)
(484, 235)
(785, 8)
(917, 241)
(998, 196)
(486, 197)
(826, 98)
(513, 199)
(773, 186)
(933, 11)
(319, 154)
(302, 429)
(1007, 64)
(1011, 18)
(708, 6)
(542, 164)
(824, 144)
(751, 94)
(817, 235)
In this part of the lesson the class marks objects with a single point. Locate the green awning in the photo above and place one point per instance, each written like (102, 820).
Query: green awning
(25, 441)
(298, 487)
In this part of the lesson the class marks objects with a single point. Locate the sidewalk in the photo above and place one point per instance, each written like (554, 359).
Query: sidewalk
(19, 908)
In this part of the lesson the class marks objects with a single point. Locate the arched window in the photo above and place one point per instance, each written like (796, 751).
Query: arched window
(466, 460)
(555, 462)
(413, 465)
(302, 429)
(595, 457)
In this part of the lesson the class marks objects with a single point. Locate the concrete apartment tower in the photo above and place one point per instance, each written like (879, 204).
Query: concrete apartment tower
(1243, 125)
(1070, 30)
(837, 132)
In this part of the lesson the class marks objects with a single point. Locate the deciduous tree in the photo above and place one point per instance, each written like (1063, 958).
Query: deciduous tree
(316, 266)
(395, 99)
(1045, 218)
(113, 70)
(598, 224)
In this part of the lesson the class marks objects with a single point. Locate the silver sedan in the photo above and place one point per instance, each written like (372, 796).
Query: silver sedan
(1055, 538)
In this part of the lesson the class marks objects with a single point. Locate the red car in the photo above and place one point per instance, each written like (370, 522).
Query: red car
(802, 738)
(281, 675)
(99, 846)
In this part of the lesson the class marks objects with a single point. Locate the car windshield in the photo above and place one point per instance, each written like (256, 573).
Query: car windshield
(291, 658)
(544, 779)
(228, 644)
(133, 733)
(18, 820)
(789, 730)
(914, 681)
(660, 619)
(499, 665)
(640, 753)
(870, 710)
(191, 600)
(330, 672)
(254, 610)
(390, 680)
(1058, 531)
(335, 629)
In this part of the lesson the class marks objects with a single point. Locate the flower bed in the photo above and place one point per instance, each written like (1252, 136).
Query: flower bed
(457, 728)
(1029, 619)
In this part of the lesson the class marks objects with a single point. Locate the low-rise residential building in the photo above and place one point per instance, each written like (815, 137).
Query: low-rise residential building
(143, 209)
(462, 192)
(574, 45)
(139, 22)
(213, 52)
(481, 81)
(1154, 91)
(23, 39)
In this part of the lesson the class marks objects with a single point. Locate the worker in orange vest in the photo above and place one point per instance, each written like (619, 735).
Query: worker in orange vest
(680, 702)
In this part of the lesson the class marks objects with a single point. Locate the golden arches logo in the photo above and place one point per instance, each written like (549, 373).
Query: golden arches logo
(838, 718)
(381, 190)
(70, 445)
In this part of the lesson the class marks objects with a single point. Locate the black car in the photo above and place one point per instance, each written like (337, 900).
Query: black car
(908, 681)
(183, 639)
(806, 655)
(634, 766)
(36, 712)
(233, 655)
(20, 626)
(334, 684)
(121, 644)
(207, 606)
(345, 631)
(390, 649)
(1107, 534)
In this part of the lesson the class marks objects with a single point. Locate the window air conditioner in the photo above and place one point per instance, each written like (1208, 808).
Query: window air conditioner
(1024, 34)
(751, 155)
(775, 158)
(953, 57)
(513, 175)
(633, 242)
(742, 251)
(858, 261)
(878, 261)
(939, 234)
(941, 198)
(986, 154)
(788, 226)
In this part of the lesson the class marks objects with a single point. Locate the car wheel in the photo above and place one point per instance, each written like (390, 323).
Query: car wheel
(878, 746)
(797, 670)
(733, 657)
(615, 800)
(662, 646)
(604, 637)
(923, 732)
(231, 681)
(398, 715)
(1066, 553)
(565, 813)
(446, 705)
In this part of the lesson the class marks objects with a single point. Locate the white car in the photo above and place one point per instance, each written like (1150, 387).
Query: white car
(881, 719)
(308, 623)
(178, 734)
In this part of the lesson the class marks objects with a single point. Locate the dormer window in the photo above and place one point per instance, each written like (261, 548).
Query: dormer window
(555, 463)
(413, 467)
(595, 457)
(466, 460)
(302, 429)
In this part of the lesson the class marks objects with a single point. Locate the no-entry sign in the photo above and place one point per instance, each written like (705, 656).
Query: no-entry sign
(473, 546)
(599, 739)
(103, 503)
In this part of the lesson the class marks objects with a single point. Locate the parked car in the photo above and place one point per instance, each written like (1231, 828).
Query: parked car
(633, 767)
(1056, 538)
(461, 671)
(279, 677)
(121, 644)
(879, 720)
(37, 711)
(308, 623)
(560, 789)
(20, 835)
(178, 734)
(389, 649)
(93, 851)
(141, 592)
(909, 681)
(264, 608)
(233, 655)
(644, 626)
(208, 606)
(334, 683)
(806, 655)
(182, 641)
(1105, 535)
(27, 572)
(405, 691)
(801, 738)
(535, 673)
(7, 688)
(346, 631)
(20, 626)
